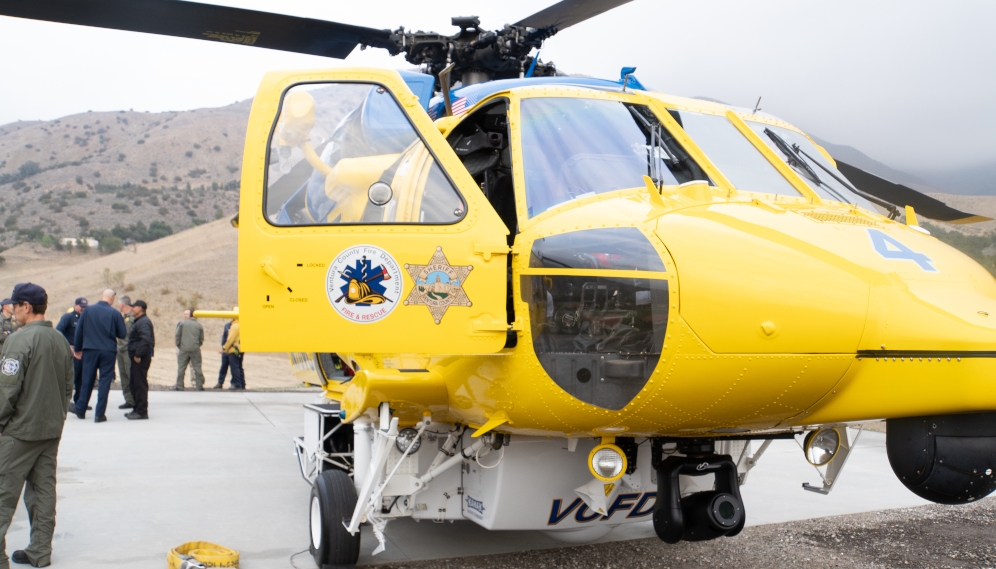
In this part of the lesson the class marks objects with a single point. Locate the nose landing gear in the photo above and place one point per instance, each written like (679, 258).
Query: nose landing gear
(703, 515)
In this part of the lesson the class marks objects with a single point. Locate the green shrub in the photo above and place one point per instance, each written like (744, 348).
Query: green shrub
(110, 245)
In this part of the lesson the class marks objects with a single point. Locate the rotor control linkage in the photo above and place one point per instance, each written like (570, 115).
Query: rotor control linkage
(702, 515)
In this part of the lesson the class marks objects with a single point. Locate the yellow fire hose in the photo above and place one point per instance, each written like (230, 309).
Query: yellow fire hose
(207, 553)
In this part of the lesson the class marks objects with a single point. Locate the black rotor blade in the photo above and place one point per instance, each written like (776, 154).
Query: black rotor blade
(902, 196)
(205, 22)
(566, 13)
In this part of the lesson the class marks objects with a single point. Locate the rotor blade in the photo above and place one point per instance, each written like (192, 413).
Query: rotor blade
(902, 196)
(566, 13)
(205, 22)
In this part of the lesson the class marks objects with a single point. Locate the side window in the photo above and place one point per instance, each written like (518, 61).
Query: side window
(346, 153)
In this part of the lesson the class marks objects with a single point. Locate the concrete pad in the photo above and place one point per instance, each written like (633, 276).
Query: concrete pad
(221, 467)
(207, 466)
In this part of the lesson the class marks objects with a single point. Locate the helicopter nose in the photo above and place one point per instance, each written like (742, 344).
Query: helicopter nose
(954, 313)
(755, 280)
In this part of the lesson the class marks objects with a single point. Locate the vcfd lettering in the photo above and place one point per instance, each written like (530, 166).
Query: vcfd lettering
(639, 505)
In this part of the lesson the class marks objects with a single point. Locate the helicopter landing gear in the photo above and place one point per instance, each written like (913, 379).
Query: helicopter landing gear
(333, 499)
(703, 515)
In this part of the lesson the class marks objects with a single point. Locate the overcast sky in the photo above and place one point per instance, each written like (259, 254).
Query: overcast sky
(911, 83)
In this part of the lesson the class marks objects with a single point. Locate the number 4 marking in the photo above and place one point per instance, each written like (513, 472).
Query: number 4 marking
(890, 248)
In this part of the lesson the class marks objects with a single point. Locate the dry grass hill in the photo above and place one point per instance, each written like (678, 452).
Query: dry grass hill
(96, 170)
(979, 205)
(193, 268)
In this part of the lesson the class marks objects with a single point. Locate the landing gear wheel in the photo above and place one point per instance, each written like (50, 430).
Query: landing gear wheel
(333, 498)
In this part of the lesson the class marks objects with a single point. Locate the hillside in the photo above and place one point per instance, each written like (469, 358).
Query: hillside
(96, 170)
(197, 267)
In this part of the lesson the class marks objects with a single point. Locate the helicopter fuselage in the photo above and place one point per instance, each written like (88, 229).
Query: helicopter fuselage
(759, 311)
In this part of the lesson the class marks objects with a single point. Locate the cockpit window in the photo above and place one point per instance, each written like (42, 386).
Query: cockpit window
(733, 154)
(346, 153)
(615, 248)
(575, 147)
(811, 165)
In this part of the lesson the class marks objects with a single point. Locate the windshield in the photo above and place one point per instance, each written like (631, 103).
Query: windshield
(803, 156)
(574, 148)
(733, 154)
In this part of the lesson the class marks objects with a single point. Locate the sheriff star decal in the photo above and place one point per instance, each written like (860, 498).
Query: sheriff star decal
(438, 285)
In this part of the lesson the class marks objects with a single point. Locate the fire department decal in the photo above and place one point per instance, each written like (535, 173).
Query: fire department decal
(10, 366)
(363, 284)
(438, 285)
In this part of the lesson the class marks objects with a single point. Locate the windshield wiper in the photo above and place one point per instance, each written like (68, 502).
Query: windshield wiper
(795, 156)
(794, 159)
(893, 209)
(657, 144)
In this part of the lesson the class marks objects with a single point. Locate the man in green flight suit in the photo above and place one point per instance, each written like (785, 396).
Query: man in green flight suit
(8, 325)
(36, 383)
(124, 362)
(189, 339)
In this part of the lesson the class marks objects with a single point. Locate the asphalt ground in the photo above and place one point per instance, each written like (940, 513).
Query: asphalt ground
(923, 537)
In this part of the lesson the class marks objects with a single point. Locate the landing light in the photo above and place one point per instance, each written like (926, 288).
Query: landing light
(821, 446)
(607, 462)
(405, 438)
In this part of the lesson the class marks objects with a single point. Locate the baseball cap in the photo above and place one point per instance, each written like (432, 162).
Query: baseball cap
(6, 301)
(81, 302)
(30, 293)
(125, 300)
(141, 304)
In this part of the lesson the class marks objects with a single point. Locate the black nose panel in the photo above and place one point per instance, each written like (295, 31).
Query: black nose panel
(948, 459)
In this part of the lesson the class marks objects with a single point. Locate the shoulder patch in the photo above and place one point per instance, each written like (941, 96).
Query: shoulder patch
(10, 366)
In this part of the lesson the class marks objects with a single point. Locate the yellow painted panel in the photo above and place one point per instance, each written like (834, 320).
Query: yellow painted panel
(286, 301)
(878, 388)
(756, 281)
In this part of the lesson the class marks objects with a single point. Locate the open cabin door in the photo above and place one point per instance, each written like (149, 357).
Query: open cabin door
(360, 230)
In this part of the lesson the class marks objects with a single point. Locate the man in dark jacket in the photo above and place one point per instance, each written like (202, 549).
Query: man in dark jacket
(223, 372)
(67, 325)
(141, 349)
(97, 332)
(36, 369)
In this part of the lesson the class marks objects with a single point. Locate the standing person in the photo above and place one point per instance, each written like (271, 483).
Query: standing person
(97, 332)
(67, 325)
(189, 338)
(232, 351)
(224, 359)
(141, 349)
(36, 370)
(8, 324)
(124, 362)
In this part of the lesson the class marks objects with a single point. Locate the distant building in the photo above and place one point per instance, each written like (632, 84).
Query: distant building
(93, 243)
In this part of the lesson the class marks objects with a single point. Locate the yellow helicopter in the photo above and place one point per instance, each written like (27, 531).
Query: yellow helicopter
(538, 301)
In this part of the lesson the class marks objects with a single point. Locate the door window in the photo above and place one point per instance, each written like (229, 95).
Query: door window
(346, 153)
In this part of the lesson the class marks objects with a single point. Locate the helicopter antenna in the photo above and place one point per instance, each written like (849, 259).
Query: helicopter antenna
(757, 106)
